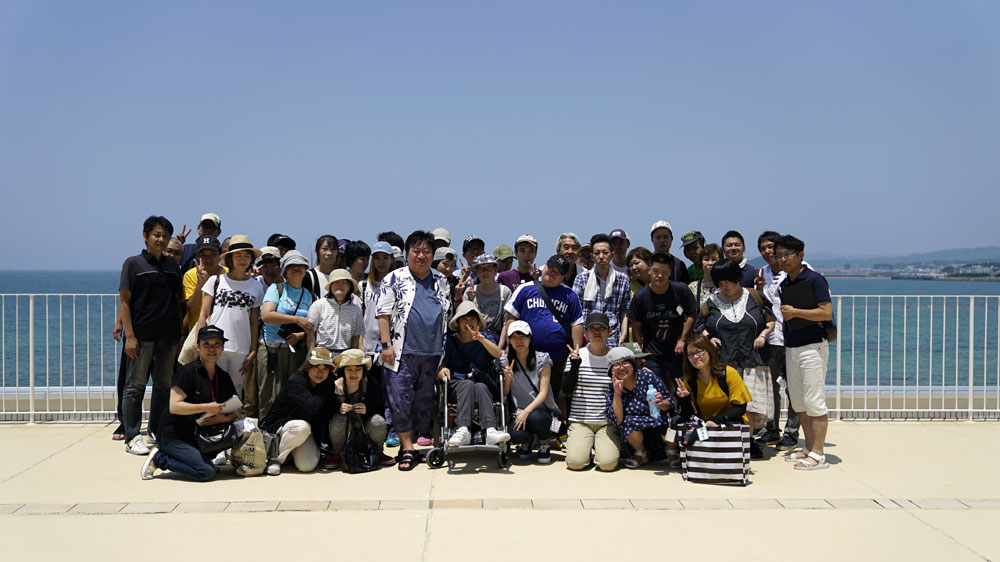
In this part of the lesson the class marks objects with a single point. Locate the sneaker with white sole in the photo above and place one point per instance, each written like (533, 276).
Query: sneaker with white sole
(523, 452)
(494, 436)
(544, 457)
(136, 446)
(787, 443)
(273, 468)
(148, 468)
(460, 437)
(220, 459)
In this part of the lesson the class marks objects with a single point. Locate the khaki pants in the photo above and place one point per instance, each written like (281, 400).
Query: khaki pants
(295, 439)
(603, 437)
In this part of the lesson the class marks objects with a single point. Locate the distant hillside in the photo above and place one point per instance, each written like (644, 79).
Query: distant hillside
(981, 254)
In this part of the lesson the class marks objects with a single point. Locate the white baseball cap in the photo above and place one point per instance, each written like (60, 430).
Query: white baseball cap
(660, 224)
(518, 326)
(211, 217)
(526, 238)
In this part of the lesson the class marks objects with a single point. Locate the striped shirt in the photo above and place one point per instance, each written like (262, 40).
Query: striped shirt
(336, 323)
(588, 401)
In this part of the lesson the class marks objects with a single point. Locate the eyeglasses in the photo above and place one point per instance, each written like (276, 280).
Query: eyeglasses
(696, 354)
(786, 255)
(620, 365)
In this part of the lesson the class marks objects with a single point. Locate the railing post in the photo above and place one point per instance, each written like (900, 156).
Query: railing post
(840, 338)
(972, 333)
(31, 359)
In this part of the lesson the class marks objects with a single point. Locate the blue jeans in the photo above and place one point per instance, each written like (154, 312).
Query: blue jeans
(160, 355)
(667, 368)
(183, 458)
(538, 424)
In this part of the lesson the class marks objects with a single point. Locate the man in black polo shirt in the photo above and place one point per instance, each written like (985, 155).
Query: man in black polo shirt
(661, 234)
(661, 316)
(150, 301)
(805, 306)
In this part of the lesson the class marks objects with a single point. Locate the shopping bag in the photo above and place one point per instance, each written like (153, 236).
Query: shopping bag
(249, 456)
(722, 458)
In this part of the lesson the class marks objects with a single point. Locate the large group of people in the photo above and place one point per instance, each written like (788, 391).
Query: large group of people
(602, 350)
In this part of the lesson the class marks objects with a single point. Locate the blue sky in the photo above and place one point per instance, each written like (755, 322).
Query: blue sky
(861, 127)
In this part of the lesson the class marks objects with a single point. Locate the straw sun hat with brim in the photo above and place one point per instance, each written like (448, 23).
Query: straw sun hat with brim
(340, 275)
(464, 309)
(241, 242)
(319, 356)
(353, 357)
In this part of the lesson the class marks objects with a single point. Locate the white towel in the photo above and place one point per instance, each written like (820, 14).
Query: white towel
(590, 291)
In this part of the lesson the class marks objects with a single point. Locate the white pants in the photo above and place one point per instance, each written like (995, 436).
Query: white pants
(295, 438)
(805, 368)
(230, 362)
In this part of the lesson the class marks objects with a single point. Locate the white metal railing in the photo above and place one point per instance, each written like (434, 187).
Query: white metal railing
(905, 357)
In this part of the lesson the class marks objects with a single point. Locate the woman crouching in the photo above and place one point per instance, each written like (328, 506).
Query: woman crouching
(301, 408)
(353, 395)
(628, 407)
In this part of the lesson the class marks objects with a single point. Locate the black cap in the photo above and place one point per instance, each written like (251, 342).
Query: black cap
(598, 318)
(560, 263)
(211, 332)
(282, 241)
(472, 238)
(210, 242)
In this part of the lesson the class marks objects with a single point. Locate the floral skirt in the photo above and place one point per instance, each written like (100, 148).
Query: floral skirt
(758, 382)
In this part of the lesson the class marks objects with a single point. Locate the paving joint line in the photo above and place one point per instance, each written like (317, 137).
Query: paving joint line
(54, 453)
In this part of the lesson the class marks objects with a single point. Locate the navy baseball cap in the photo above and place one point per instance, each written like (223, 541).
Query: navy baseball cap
(211, 332)
(560, 263)
(210, 242)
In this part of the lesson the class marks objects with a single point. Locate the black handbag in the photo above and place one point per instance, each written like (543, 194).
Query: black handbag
(290, 328)
(213, 439)
(359, 454)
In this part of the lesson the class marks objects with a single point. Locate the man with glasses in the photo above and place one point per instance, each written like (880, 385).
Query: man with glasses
(805, 307)
(604, 289)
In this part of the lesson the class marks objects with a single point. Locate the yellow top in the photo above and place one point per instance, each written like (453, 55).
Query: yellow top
(713, 402)
(190, 284)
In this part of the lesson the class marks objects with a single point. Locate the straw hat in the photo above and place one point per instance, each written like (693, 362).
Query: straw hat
(319, 356)
(353, 357)
(241, 242)
(341, 275)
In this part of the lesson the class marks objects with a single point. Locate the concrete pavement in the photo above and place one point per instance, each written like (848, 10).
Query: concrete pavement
(922, 490)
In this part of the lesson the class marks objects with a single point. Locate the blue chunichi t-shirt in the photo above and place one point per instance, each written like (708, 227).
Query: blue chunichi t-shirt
(423, 324)
(293, 302)
(527, 304)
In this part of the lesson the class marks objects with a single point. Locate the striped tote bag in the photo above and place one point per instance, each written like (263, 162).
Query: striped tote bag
(722, 459)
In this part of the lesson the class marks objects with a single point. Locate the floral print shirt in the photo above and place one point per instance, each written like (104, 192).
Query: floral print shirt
(395, 298)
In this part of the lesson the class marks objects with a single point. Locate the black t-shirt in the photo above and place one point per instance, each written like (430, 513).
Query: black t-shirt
(193, 380)
(749, 279)
(679, 271)
(662, 317)
(300, 400)
(813, 333)
(458, 356)
(155, 286)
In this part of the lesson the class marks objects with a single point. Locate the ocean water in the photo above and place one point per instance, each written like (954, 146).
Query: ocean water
(893, 333)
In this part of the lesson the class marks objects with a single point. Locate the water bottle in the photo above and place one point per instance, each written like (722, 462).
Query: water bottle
(654, 410)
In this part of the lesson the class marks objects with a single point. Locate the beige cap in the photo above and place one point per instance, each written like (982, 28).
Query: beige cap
(211, 217)
(442, 234)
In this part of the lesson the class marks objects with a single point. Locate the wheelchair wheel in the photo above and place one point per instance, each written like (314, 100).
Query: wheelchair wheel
(503, 459)
(435, 458)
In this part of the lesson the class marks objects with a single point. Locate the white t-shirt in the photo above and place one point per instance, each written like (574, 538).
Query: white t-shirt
(323, 280)
(232, 309)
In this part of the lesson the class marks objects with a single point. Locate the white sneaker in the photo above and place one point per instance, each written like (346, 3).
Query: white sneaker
(220, 459)
(273, 468)
(136, 446)
(494, 436)
(460, 437)
(148, 468)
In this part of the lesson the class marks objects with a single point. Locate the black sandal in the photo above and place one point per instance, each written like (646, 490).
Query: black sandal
(407, 460)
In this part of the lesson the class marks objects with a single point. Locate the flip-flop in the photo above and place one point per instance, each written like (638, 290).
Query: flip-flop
(117, 436)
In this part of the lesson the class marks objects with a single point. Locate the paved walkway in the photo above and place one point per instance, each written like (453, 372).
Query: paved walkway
(914, 490)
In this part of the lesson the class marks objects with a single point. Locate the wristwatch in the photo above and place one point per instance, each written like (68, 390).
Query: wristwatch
(386, 344)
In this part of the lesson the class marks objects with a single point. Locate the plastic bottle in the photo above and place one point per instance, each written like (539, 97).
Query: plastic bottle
(654, 410)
